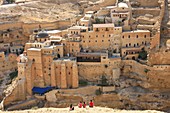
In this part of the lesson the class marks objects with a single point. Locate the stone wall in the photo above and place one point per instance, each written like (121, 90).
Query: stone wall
(94, 71)
(162, 58)
(155, 78)
(27, 27)
(9, 63)
(147, 3)
(143, 11)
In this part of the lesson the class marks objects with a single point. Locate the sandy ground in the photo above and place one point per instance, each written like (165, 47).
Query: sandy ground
(80, 110)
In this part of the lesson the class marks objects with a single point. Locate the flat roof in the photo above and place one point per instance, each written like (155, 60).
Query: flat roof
(87, 15)
(78, 27)
(34, 49)
(91, 54)
(103, 25)
(90, 12)
(110, 7)
(137, 31)
(53, 31)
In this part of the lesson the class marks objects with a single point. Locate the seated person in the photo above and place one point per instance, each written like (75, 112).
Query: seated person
(91, 104)
(71, 107)
(80, 105)
(84, 105)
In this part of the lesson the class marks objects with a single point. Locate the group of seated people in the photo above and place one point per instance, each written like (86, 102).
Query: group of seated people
(82, 105)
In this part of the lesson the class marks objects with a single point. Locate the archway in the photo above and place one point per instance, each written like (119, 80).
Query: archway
(58, 55)
(133, 58)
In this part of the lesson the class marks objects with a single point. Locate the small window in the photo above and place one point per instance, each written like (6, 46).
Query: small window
(136, 36)
(129, 36)
(145, 36)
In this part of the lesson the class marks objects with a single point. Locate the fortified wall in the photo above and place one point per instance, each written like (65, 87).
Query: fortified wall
(93, 72)
(27, 27)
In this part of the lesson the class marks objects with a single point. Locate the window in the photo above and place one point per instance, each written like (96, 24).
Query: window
(103, 35)
(96, 35)
(126, 45)
(136, 36)
(137, 44)
(129, 36)
(145, 36)
(108, 40)
(96, 41)
(122, 36)
(102, 40)
(109, 35)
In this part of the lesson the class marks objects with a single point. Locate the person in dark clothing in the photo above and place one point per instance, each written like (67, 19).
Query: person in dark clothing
(71, 107)
(84, 105)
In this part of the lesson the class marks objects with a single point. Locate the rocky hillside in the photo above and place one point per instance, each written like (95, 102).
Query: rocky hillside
(37, 11)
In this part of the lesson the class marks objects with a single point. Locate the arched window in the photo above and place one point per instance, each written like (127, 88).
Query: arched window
(145, 36)
(137, 44)
(129, 36)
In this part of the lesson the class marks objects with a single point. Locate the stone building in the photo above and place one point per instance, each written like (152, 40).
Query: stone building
(84, 51)
(8, 62)
(121, 14)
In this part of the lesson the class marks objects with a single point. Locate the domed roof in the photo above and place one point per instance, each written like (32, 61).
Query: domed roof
(168, 43)
(123, 5)
(42, 35)
(23, 59)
